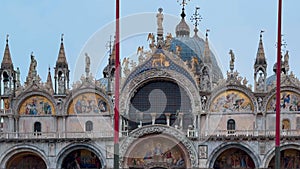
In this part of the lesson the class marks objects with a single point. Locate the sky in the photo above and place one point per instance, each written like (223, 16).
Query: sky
(36, 26)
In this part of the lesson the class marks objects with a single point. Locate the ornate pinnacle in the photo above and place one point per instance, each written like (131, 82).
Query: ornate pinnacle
(261, 32)
(183, 3)
(62, 38)
(109, 44)
(206, 32)
(7, 35)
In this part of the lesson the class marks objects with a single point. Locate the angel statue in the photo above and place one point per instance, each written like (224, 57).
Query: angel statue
(232, 58)
(125, 63)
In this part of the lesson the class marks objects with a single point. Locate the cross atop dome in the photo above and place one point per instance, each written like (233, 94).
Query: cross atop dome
(196, 18)
(182, 29)
(183, 3)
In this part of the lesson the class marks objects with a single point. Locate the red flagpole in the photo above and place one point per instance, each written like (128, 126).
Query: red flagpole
(278, 72)
(117, 83)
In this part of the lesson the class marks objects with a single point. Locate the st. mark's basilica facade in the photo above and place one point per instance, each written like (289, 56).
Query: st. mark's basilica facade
(177, 110)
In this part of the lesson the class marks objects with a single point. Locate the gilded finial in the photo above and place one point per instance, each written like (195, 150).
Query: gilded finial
(7, 35)
(62, 38)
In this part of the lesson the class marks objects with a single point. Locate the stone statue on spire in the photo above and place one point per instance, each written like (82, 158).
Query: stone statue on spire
(160, 18)
(232, 58)
(160, 30)
(33, 65)
(87, 64)
(32, 76)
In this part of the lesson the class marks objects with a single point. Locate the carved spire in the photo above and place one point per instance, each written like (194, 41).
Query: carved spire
(6, 61)
(207, 58)
(61, 59)
(182, 29)
(7, 75)
(196, 17)
(260, 56)
(61, 75)
(260, 67)
(109, 70)
(49, 83)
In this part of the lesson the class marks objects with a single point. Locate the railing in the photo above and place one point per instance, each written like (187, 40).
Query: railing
(267, 133)
(5, 112)
(55, 135)
(192, 134)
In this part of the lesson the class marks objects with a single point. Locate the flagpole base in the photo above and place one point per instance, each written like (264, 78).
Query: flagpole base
(277, 157)
(116, 156)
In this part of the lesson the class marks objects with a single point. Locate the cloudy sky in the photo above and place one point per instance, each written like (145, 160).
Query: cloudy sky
(87, 26)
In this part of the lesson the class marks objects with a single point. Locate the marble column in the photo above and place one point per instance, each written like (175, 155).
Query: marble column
(153, 115)
(168, 118)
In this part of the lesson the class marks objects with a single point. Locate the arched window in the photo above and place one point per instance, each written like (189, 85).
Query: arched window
(89, 126)
(231, 126)
(37, 128)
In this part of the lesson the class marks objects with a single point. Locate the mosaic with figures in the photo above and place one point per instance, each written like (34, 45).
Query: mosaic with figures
(234, 158)
(81, 158)
(36, 105)
(289, 158)
(289, 101)
(156, 150)
(231, 101)
(88, 103)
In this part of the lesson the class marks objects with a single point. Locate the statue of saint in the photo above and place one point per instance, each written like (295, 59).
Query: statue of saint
(33, 64)
(160, 18)
(18, 74)
(87, 64)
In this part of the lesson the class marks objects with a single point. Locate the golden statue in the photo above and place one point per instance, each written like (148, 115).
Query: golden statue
(160, 59)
